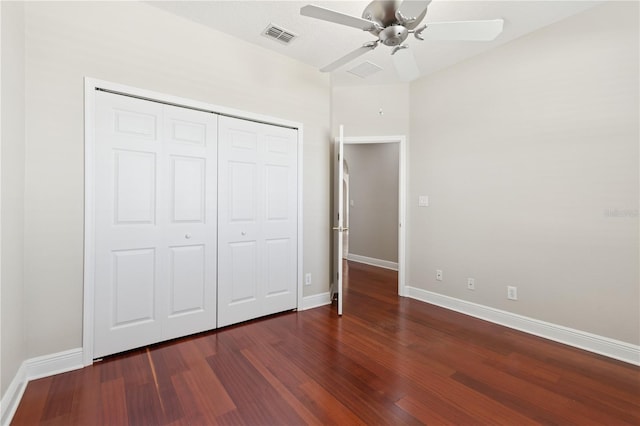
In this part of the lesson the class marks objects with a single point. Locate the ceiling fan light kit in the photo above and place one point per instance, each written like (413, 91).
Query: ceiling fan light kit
(392, 21)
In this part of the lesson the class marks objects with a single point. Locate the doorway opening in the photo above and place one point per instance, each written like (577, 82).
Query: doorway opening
(374, 194)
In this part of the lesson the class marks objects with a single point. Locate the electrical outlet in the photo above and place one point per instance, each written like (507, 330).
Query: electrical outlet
(307, 278)
(512, 293)
(439, 274)
(471, 283)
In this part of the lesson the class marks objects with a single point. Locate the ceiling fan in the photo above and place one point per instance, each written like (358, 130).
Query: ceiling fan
(392, 21)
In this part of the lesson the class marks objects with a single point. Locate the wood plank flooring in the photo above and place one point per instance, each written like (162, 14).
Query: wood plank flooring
(388, 360)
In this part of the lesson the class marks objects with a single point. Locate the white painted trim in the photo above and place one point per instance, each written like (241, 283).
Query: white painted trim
(90, 86)
(300, 301)
(48, 365)
(37, 368)
(611, 348)
(402, 197)
(402, 219)
(89, 223)
(316, 300)
(13, 395)
(373, 261)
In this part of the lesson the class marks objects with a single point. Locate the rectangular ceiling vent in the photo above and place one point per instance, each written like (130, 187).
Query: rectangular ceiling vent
(365, 69)
(279, 34)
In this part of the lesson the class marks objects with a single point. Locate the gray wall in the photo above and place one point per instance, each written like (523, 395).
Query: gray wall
(373, 186)
(529, 154)
(140, 45)
(12, 341)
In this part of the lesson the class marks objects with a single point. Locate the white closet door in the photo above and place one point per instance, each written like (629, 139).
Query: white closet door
(190, 142)
(257, 220)
(155, 223)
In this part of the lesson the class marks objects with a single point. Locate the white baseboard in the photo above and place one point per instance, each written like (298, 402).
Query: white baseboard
(13, 395)
(61, 362)
(36, 368)
(316, 300)
(48, 365)
(580, 339)
(372, 261)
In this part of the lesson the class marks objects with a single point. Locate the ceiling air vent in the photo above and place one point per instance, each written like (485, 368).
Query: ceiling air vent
(277, 33)
(365, 69)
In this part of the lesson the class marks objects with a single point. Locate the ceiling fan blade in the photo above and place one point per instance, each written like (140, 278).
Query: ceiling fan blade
(413, 8)
(464, 30)
(405, 64)
(350, 56)
(336, 17)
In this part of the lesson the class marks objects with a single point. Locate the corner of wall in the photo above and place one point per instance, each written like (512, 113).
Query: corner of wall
(12, 166)
(32, 369)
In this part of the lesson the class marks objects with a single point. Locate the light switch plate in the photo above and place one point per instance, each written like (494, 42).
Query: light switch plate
(423, 201)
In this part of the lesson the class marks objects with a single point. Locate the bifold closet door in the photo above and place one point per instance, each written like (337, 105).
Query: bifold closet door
(155, 222)
(257, 220)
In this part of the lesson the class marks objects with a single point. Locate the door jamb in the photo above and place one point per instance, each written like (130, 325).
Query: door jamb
(402, 197)
(90, 87)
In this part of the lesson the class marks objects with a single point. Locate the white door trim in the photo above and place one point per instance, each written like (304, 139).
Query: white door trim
(90, 87)
(402, 196)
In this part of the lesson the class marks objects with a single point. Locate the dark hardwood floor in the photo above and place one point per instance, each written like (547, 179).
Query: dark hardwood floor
(388, 360)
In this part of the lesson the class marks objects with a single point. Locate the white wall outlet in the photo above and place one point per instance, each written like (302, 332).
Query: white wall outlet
(471, 283)
(439, 274)
(512, 293)
(423, 201)
(307, 278)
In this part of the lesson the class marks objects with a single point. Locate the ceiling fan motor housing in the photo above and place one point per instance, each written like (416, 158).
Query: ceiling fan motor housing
(393, 35)
(383, 12)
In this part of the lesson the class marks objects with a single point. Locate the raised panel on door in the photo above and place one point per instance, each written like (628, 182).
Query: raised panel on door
(279, 270)
(128, 248)
(191, 220)
(186, 280)
(134, 187)
(181, 128)
(257, 170)
(238, 290)
(188, 194)
(130, 121)
(130, 303)
(132, 287)
(276, 192)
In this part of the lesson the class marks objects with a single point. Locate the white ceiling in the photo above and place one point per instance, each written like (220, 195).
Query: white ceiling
(320, 43)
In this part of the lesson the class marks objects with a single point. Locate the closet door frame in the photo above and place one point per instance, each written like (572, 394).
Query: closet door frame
(91, 85)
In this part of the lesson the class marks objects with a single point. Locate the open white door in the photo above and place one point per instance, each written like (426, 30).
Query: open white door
(338, 214)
